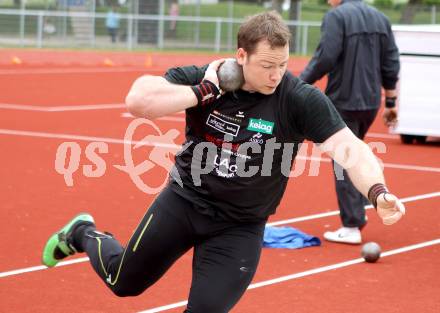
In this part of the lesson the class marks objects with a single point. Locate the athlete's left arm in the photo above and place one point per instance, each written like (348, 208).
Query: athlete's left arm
(365, 172)
(328, 51)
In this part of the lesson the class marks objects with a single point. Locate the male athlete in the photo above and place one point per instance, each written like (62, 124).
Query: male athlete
(222, 213)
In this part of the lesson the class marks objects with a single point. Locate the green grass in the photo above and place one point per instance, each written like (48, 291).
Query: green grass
(221, 10)
(204, 33)
(312, 10)
(11, 24)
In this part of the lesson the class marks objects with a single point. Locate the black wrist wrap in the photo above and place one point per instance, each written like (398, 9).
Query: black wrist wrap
(390, 102)
(206, 92)
(374, 192)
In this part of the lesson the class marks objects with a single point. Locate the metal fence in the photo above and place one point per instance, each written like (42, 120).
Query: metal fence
(40, 29)
(80, 26)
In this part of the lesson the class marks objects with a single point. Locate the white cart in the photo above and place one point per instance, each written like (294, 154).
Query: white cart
(419, 82)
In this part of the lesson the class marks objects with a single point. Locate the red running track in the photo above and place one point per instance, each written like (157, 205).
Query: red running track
(36, 201)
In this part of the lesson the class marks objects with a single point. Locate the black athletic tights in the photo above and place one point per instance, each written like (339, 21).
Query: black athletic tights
(226, 254)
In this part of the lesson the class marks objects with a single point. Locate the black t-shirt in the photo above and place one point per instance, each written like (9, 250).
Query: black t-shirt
(245, 144)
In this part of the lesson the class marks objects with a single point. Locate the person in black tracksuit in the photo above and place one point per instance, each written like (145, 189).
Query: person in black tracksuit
(358, 52)
(247, 139)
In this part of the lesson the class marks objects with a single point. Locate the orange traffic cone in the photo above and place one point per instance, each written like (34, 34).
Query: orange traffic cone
(148, 61)
(108, 62)
(16, 60)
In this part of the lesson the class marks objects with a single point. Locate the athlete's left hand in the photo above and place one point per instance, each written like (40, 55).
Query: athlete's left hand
(389, 208)
(390, 117)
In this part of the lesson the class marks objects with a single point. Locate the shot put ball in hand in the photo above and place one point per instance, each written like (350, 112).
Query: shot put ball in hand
(230, 75)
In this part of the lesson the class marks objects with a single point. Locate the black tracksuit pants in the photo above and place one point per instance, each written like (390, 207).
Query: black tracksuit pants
(351, 202)
(226, 254)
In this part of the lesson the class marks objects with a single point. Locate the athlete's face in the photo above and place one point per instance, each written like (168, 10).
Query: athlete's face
(264, 68)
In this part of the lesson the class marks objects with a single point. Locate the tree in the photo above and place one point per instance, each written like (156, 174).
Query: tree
(410, 11)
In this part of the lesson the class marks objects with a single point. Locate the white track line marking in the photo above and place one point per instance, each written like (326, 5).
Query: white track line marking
(172, 118)
(412, 167)
(382, 135)
(24, 107)
(306, 273)
(85, 107)
(177, 147)
(282, 222)
(372, 135)
(163, 118)
(387, 165)
(41, 267)
(332, 213)
(342, 264)
(81, 107)
(79, 70)
(82, 138)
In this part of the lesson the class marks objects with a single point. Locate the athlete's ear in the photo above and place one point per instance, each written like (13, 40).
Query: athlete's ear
(241, 56)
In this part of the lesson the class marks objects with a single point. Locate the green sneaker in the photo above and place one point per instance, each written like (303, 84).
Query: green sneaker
(60, 244)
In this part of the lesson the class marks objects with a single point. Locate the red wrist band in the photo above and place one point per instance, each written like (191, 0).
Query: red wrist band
(206, 92)
(374, 192)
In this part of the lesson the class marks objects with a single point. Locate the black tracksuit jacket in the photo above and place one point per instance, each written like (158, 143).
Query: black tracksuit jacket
(358, 52)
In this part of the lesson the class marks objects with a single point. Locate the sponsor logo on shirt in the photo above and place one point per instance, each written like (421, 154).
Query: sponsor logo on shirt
(222, 125)
(224, 167)
(260, 126)
(226, 117)
(240, 114)
(257, 138)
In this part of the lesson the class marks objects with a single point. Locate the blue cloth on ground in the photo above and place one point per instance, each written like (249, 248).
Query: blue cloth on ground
(288, 237)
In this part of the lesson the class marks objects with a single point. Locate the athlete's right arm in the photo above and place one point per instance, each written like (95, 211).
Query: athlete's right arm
(153, 96)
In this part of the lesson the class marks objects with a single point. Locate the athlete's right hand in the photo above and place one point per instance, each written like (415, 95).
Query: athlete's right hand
(211, 71)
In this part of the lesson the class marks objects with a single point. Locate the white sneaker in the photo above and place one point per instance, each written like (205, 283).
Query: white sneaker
(350, 235)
